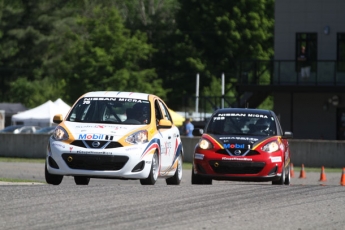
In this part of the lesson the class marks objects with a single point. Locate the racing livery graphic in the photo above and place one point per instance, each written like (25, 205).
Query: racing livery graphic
(115, 135)
(242, 145)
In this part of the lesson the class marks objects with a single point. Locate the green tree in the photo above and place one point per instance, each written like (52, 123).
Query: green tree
(27, 30)
(215, 35)
(104, 55)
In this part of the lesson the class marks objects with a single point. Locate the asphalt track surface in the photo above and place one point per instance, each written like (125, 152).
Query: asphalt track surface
(115, 204)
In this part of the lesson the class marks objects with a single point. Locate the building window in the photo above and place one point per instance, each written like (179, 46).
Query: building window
(309, 41)
(341, 52)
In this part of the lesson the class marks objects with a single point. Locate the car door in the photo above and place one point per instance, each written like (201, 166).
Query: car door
(168, 138)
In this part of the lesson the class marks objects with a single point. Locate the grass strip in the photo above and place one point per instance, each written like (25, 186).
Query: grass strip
(13, 180)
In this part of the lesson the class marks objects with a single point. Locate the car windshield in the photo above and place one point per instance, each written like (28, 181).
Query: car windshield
(111, 110)
(242, 124)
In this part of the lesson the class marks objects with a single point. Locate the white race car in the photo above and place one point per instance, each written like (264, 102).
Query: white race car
(115, 135)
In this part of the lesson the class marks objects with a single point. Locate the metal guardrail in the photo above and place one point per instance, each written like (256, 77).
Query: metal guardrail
(287, 72)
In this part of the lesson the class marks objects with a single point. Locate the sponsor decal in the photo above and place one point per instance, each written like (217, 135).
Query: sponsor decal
(236, 159)
(91, 136)
(199, 156)
(70, 149)
(58, 145)
(222, 115)
(276, 159)
(133, 149)
(232, 115)
(239, 138)
(87, 100)
(233, 146)
(257, 115)
(91, 152)
(116, 127)
(166, 148)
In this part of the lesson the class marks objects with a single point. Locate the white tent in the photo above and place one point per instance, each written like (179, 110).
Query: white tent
(41, 115)
(63, 108)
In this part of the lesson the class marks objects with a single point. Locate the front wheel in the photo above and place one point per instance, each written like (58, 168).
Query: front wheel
(197, 179)
(281, 180)
(288, 176)
(51, 178)
(152, 178)
(81, 180)
(176, 179)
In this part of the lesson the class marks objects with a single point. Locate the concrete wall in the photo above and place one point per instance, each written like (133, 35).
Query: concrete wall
(311, 153)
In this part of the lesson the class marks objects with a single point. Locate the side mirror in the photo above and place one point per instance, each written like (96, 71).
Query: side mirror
(57, 118)
(197, 132)
(287, 135)
(164, 124)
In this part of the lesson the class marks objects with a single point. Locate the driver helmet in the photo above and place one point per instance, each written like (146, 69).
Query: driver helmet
(263, 124)
(142, 112)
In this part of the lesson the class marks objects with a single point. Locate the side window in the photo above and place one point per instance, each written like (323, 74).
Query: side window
(309, 42)
(158, 112)
(165, 111)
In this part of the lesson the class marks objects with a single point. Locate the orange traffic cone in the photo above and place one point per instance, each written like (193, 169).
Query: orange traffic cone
(292, 173)
(302, 174)
(323, 175)
(342, 180)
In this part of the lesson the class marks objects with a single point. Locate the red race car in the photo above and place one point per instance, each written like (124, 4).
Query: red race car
(242, 145)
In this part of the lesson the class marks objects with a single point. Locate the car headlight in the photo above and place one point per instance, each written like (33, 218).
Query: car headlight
(60, 134)
(139, 137)
(205, 144)
(271, 147)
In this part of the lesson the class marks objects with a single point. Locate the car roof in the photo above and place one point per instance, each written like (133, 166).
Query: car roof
(118, 94)
(244, 110)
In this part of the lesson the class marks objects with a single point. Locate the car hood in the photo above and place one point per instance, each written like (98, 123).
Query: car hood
(239, 140)
(90, 131)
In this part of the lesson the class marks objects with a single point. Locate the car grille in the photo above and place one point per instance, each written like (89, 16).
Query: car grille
(232, 151)
(102, 144)
(94, 162)
(238, 167)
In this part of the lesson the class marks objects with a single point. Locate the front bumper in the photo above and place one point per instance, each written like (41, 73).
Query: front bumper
(132, 162)
(262, 167)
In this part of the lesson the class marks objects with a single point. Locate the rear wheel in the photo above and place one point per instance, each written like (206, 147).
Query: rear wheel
(81, 180)
(197, 179)
(51, 178)
(151, 180)
(176, 179)
(281, 179)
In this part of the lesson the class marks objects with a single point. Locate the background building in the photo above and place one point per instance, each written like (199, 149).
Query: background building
(311, 107)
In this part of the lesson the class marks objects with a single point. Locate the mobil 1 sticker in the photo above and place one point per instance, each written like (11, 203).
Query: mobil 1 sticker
(92, 136)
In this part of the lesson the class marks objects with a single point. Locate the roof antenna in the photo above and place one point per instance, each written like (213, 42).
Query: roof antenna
(247, 105)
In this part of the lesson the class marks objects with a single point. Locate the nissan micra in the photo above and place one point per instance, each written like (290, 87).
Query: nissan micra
(242, 144)
(115, 135)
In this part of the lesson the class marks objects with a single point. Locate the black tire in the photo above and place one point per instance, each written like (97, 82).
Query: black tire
(176, 179)
(281, 179)
(81, 180)
(153, 176)
(288, 176)
(51, 178)
(197, 179)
